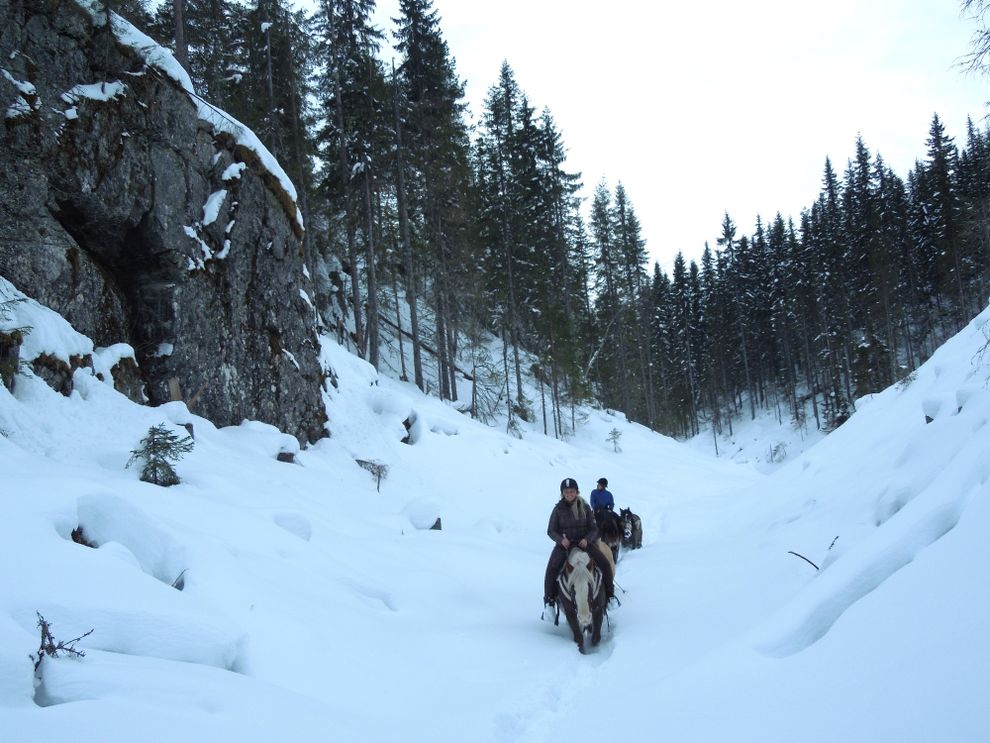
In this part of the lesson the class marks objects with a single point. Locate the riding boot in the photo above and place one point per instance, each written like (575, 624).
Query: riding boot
(554, 565)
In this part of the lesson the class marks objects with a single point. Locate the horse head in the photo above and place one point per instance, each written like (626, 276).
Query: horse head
(581, 582)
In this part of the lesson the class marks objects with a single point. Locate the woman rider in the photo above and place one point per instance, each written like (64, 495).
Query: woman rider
(572, 524)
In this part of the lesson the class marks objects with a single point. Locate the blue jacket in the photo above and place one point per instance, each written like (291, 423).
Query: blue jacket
(601, 499)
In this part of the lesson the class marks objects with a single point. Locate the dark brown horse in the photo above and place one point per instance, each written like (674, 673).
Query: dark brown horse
(609, 529)
(582, 597)
(632, 529)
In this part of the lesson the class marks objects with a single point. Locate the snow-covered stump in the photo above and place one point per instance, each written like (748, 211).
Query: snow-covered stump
(931, 406)
(424, 514)
(964, 395)
(288, 449)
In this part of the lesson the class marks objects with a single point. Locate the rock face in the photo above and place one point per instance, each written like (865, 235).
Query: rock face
(124, 211)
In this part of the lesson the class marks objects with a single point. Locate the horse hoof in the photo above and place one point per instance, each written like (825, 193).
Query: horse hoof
(595, 641)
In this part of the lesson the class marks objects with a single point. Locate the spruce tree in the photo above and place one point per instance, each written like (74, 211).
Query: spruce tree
(158, 450)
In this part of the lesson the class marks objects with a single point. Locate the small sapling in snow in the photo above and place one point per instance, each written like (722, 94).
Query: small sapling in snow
(378, 470)
(613, 436)
(158, 450)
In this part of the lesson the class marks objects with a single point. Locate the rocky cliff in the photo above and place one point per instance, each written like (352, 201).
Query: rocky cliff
(142, 215)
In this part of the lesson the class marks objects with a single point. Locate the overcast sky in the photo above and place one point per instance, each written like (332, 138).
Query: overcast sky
(703, 108)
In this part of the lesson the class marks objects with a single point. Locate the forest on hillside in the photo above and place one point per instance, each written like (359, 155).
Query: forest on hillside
(444, 235)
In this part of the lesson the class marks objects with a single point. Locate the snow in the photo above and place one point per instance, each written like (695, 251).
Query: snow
(49, 334)
(311, 601)
(211, 209)
(103, 91)
(20, 106)
(233, 172)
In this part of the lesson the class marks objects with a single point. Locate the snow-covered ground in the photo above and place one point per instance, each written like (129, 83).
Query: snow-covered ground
(315, 607)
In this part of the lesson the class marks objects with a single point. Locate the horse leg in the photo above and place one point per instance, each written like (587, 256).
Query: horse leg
(596, 630)
(572, 622)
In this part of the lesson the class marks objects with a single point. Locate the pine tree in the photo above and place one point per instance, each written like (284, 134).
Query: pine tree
(352, 105)
(436, 141)
(159, 449)
(944, 226)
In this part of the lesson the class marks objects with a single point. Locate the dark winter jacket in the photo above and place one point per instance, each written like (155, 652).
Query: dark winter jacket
(564, 523)
(602, 499)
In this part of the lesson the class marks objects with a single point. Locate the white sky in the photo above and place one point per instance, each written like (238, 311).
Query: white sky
(699, 108)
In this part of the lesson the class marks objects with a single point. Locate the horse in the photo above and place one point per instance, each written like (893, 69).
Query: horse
(582, 596)
(609, 529)
(632, 529)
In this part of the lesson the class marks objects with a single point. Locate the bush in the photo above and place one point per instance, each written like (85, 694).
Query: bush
(378, 470)
(49, 647)
(159, 449)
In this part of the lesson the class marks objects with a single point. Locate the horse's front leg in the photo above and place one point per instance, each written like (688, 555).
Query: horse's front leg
(596, 629)
(572, 622)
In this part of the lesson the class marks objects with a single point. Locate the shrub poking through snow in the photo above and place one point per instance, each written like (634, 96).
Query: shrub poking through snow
(158, 450)
(378, 470)
(613, 436)
(50, 647)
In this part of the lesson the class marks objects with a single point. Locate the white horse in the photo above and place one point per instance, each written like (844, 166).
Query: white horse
(582, 596)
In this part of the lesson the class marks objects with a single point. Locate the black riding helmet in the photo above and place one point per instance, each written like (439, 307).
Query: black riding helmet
(568, 482)
(603, 481)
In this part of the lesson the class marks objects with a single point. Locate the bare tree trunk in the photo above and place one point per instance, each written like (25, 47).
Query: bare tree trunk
(543, 401)
(398, 323)
(508, 390)
(441, 343)
(181, 49)
(274, 136)
(345, 180)
(369, 244)
(299, 152)
(452, 351)
(407, 253)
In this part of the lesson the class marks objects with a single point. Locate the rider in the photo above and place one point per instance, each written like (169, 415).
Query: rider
(572, 524)
(601, 498)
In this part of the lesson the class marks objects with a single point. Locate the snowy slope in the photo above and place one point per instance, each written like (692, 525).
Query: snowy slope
(314, 606)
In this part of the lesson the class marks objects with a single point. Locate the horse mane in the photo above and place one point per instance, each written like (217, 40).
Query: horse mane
(582, 595)
(580, 583)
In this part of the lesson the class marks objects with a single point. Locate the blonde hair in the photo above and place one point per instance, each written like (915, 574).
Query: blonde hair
(578, 507)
